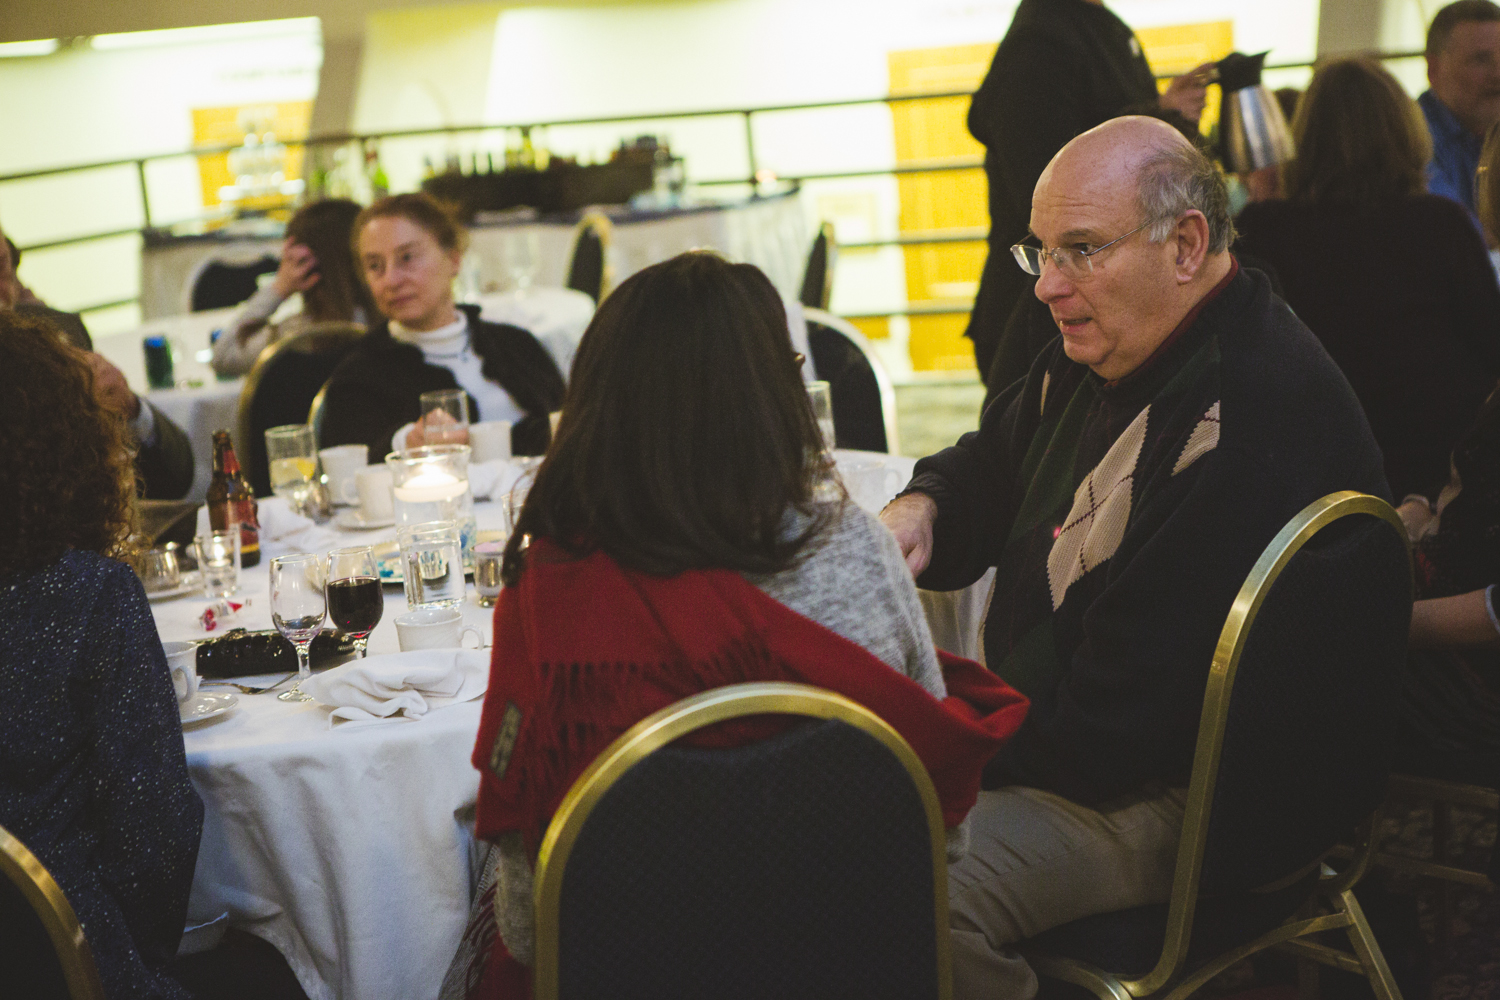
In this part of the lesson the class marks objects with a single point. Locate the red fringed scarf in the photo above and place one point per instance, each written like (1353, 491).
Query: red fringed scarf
(585, 649)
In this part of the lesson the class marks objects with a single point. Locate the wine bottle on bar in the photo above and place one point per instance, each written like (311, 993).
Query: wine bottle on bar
(232, 501)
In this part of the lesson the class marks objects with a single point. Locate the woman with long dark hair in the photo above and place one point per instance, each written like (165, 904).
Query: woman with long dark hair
(315, 261)
(93, 777)
(1395, 282)
(409, 248)
(685, 532)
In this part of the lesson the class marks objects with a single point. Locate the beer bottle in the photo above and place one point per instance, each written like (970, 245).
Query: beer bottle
(232, 501)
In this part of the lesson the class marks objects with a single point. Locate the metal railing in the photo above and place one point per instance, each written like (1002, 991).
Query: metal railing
(754, 172)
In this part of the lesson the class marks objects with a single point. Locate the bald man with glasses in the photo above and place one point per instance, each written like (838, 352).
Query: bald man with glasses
(1122, 491)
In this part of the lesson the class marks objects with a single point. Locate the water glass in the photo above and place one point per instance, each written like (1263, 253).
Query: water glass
(487, 559)
(355, 600)
(298, 605)
(432, 564)
(523, 253)
(293, 458)
(445, 416)
(219, 561)
(821, 398)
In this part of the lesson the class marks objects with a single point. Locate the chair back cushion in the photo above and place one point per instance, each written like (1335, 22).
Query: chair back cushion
(283, 395)
(29, 962)
(796, 867)
(1307, 747)
(858, 417)
(220, 285)
(586, 271)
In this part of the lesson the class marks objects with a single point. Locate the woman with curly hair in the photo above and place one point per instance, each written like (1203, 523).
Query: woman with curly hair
(92, 773)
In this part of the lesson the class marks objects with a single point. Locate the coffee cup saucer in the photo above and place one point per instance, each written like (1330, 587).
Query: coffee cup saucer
(354, 519)
(206, 705)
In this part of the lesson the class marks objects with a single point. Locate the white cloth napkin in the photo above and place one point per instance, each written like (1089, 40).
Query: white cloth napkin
(492, 480)
(283, 530)
(413, 683)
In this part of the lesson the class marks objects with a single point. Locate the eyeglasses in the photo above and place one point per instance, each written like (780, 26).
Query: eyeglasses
(1075, 264)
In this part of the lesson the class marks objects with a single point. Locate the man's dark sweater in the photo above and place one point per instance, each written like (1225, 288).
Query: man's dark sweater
(1123, 517)
(1063, 67)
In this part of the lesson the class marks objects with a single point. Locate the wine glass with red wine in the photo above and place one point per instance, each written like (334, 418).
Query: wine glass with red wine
(354, 598)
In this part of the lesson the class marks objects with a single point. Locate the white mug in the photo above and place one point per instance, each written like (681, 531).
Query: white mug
(870, 482)
(434, 628)
(373, 483)
(182, 660)
(489, 441)
(342, 464)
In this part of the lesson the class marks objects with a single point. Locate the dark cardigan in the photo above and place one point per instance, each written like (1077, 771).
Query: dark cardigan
(375, 390)
(1225, 434)
(1063, 67)
(1404, 299)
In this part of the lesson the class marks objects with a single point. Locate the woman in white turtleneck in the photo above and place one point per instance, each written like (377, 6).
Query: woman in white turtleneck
(409, 250)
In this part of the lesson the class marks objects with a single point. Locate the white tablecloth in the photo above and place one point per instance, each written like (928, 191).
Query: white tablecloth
(343, 848)
(954, 616)
(200, 404)
(555, 316)
(169, 265)
(770, 233)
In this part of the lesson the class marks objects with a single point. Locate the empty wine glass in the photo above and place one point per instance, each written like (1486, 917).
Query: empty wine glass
(298, 605)
(355, 602)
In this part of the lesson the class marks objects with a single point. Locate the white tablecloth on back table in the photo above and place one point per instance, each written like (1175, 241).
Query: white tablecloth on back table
(770, 233)
(199, 409)
(343, 848)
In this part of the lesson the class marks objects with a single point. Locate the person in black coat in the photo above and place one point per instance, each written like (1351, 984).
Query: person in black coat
(1394, 281)
(1062, 68)
(409, 250)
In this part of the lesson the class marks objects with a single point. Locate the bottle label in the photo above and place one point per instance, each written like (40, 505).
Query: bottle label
(246, 516)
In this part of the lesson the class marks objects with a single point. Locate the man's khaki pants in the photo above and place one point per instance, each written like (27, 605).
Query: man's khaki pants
(1037, 861)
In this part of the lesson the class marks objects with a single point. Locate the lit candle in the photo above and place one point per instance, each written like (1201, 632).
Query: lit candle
(430, 486)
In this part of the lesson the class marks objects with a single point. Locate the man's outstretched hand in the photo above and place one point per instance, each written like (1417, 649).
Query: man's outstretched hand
(910, 519)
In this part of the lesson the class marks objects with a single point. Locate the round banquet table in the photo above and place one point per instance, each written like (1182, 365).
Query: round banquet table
(350, 849)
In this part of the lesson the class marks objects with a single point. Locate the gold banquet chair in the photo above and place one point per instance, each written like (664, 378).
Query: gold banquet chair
(42, 949)
(589, 269)
(1313, 682)
(810, 864)
(281, 387)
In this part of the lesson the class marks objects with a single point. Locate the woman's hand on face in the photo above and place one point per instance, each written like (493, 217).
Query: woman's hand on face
(436, 428)
(298, 271)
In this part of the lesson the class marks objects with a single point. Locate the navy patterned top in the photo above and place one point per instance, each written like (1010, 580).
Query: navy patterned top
(93, 778)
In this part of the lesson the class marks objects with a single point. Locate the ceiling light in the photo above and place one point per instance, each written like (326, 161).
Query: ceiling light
(39, 47)
(292, 26)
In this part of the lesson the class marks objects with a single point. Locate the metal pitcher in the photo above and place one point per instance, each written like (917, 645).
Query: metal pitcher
(1252, 130)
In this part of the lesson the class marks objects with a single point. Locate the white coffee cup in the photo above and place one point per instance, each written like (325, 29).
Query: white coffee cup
(489, 441)
(182, 660)
(870, 482)
(342, 464)
(434, 628)
(373, 484)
